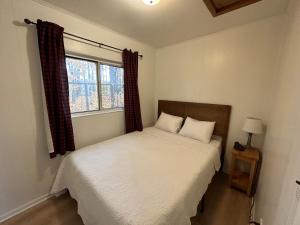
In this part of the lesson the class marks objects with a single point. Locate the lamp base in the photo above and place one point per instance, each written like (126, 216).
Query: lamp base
(248, 145)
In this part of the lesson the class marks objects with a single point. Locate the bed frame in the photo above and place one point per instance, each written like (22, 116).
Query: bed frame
(204, 112)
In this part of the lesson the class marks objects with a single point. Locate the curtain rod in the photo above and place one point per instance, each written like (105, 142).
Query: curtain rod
(100, 45)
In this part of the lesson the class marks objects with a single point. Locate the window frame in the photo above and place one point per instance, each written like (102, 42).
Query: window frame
(99, 83)
(98, 62)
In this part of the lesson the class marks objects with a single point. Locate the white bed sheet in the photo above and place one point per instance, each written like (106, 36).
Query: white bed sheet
(217, 142)
(143, 178)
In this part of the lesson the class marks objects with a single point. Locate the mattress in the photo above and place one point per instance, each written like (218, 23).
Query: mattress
(142, 178)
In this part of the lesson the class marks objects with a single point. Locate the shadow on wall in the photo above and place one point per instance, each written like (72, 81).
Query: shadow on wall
(273, 154)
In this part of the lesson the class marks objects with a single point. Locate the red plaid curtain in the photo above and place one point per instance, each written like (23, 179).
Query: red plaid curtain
(55, 79)
(133, 119)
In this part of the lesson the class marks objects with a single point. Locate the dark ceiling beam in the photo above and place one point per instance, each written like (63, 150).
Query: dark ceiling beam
(215, 11)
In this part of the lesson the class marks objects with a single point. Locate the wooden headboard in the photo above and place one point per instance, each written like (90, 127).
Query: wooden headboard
(201, 111)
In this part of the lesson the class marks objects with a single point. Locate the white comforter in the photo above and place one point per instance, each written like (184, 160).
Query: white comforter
(143, 178)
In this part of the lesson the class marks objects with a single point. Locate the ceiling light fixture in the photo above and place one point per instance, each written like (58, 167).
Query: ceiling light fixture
(151, 2)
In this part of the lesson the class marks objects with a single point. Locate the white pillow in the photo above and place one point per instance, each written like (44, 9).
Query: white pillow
(169, 123)
(199, 130)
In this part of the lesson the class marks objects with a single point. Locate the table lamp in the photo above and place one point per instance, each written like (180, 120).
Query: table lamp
(252, 126)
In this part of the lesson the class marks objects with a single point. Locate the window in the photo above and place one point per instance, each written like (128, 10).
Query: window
(112, 86)
(94, 85)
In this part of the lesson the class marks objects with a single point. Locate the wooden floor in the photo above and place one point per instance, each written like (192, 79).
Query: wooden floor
(223, 206)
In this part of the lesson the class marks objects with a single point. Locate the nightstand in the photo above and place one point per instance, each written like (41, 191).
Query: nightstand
(244, 180)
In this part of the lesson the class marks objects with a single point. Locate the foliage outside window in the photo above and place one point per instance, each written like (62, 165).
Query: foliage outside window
(94, 85)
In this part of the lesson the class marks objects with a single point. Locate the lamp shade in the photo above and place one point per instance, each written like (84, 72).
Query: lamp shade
(253, 126)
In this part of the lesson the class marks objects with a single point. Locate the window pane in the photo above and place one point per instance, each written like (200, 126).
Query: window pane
(77, 98)
(112, 86)
(83, 88)
(93, 103)
(106, 96)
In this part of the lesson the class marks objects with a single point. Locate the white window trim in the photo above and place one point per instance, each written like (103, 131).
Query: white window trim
(96, 112)
(95, 59)
(98, 61)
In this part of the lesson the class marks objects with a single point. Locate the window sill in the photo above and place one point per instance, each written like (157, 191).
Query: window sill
(104, 111)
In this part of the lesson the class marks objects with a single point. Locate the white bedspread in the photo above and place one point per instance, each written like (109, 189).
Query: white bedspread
(143, 178)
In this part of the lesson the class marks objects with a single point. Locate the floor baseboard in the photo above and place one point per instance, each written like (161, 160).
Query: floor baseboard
(24, 207)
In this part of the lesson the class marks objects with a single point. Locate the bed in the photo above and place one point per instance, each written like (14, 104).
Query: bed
(146, 178)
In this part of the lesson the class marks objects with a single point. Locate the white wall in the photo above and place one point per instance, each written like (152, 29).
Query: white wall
(276, 190)
(235, 67)
(26, 172)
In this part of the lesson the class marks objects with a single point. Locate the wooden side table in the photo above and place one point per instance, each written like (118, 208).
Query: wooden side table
(244, 180)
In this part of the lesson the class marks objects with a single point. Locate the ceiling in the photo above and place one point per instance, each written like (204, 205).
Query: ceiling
(168, 22)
